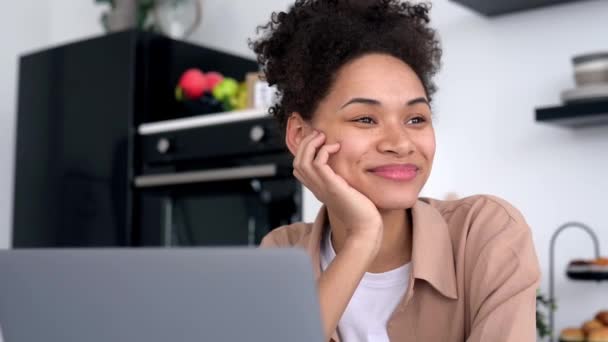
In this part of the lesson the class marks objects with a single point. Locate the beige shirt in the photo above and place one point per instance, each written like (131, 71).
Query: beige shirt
(474, 271)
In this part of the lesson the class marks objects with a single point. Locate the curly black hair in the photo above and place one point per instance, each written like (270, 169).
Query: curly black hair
(302, 49)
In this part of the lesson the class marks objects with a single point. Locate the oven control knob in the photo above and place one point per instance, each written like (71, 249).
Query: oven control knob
(256, 134)
(163, 145)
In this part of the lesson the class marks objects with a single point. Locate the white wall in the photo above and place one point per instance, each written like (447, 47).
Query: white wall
(23, 28)
(496, 71)
(71, 20)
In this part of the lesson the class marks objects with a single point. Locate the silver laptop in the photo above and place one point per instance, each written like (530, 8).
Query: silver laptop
(158, 295)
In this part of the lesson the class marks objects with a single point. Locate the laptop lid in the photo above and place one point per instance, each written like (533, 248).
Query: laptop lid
(154, 295)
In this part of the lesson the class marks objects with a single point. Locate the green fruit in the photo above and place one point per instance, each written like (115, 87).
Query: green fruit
(179, 93)
(234, 103)
(229, 87)
(241, 100)
(243, 87)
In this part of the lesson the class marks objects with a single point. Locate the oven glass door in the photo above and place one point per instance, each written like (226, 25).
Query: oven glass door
(225, 213)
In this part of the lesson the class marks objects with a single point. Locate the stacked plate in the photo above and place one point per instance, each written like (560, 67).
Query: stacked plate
(591, 75)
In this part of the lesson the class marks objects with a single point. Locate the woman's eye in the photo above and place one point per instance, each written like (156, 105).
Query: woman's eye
(365, 120)
(416, 120)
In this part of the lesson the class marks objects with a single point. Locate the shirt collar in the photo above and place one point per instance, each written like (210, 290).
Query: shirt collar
(432, 250)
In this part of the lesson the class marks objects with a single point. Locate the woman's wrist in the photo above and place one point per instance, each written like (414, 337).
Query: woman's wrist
(364, 245)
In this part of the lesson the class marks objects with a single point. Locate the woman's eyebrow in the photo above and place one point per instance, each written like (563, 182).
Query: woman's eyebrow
(362, 100)
(418, 100)
(374, 102)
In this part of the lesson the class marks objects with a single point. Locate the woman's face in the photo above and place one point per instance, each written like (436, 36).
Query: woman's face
(378, 111)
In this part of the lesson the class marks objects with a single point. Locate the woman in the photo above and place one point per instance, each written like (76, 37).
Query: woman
(355, 85)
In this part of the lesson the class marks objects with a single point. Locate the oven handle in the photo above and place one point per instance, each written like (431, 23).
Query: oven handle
(190, 177)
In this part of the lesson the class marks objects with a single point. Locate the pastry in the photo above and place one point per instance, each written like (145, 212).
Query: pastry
(602, 316)
(600, 265)
(592, 325)
(596, 269)
(598, 335)
(580, 266)
(572, 335)
(601, 261)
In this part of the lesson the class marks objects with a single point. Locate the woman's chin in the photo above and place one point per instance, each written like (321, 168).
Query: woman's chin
(385, 202)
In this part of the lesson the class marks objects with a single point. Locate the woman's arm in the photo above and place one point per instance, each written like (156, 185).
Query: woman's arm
(340, 280)
(355, 217)
(503, 286)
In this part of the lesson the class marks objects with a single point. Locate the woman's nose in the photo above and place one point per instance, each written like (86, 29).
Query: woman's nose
(395, 140)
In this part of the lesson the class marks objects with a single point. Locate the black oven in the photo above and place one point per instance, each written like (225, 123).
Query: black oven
(212, 180)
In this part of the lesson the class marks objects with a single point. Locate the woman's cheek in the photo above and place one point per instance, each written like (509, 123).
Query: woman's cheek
(428, 145)
(353, 147)
(344, 161)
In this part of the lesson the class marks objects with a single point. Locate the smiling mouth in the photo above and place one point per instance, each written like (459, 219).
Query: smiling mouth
(402, 173)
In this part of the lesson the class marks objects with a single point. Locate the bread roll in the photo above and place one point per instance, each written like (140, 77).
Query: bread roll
(602, 316)
(598, 335)
(572, 335)
(592, 325)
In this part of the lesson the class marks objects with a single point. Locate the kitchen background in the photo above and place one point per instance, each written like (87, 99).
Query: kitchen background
(496, 71)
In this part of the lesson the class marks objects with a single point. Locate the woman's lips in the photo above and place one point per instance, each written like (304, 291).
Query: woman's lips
(398, 172)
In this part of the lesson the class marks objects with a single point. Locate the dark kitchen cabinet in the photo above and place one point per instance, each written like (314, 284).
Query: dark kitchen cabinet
(76, 153)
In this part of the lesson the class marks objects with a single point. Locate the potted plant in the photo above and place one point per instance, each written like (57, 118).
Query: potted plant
(542, 328)
(175, 18)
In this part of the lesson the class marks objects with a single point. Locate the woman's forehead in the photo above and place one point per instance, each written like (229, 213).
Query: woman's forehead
(377, 77)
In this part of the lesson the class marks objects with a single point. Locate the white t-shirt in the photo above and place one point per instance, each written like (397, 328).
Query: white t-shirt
(373, 302)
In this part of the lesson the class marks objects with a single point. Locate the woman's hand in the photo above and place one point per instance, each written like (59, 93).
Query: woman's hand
(352, 214)
(355, 214)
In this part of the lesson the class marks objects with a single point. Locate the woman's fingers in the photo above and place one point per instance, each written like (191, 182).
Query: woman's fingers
(310, 163)
(306, 153)
(298, 157)
(324, 152)
(310, 149)
(298, 175)
(320, 160)
(331, 180)
(301, 164)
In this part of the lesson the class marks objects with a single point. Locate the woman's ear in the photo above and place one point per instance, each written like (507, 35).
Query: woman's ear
(296, 130)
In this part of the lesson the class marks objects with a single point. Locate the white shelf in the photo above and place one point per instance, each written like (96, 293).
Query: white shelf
(202, 120)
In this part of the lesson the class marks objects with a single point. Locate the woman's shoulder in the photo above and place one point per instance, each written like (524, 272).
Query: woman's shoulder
(489, 232)
(477, 206)
(290, 235)
(481, 219)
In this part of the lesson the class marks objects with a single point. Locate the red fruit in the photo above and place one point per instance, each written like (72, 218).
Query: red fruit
(213, 78)
(193, 83)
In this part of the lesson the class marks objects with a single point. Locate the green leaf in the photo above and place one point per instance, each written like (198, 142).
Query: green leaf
(104, 21)
(149, 3)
